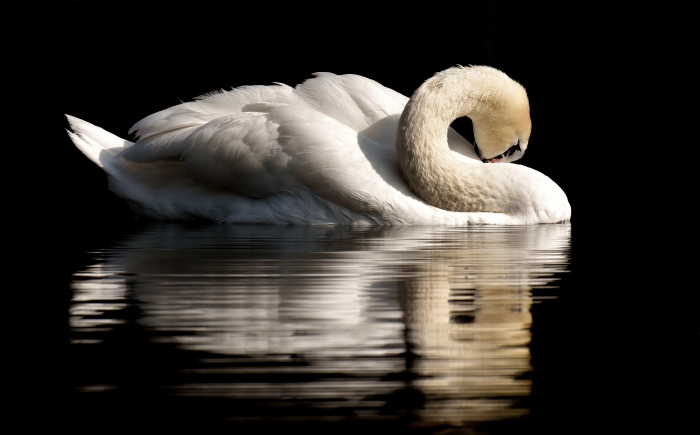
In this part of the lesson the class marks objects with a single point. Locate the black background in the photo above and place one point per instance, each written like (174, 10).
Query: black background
(601, 351)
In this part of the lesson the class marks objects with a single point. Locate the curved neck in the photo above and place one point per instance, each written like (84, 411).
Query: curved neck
(424, 157)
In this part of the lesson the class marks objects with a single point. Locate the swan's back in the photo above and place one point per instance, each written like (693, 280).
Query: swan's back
(354, 101)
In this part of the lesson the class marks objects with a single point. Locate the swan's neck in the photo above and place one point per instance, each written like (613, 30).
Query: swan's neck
(424, 157)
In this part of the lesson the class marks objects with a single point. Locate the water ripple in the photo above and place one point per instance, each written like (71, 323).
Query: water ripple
(425, 325)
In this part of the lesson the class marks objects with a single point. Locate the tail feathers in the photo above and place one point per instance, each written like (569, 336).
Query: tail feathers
(150, 188)
(97, 144)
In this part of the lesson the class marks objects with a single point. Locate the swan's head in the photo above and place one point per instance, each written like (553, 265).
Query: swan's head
(502, 124)
(501, 143)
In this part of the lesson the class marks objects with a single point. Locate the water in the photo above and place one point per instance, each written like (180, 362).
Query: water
(411, 329)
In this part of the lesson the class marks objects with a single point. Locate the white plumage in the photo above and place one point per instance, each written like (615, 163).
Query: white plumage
(320, 153)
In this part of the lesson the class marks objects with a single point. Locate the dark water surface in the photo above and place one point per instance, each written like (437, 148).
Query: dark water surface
(418, 329)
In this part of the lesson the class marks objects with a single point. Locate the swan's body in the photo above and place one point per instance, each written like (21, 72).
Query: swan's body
(335, 149)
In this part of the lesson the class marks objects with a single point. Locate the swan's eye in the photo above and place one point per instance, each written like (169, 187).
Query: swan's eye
(510, 151)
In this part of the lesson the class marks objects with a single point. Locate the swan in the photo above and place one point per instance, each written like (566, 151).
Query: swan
(336, 149)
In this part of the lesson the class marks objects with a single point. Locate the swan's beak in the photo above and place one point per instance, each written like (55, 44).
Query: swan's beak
(510, 155)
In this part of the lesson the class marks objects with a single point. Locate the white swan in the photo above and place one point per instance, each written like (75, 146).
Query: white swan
(334, 150)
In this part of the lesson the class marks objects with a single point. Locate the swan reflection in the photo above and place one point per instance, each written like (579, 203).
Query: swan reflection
(430, 324)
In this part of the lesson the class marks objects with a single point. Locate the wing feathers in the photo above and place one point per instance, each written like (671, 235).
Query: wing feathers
(331, 135)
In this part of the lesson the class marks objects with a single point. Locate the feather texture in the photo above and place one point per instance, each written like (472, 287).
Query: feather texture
(323, 152)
